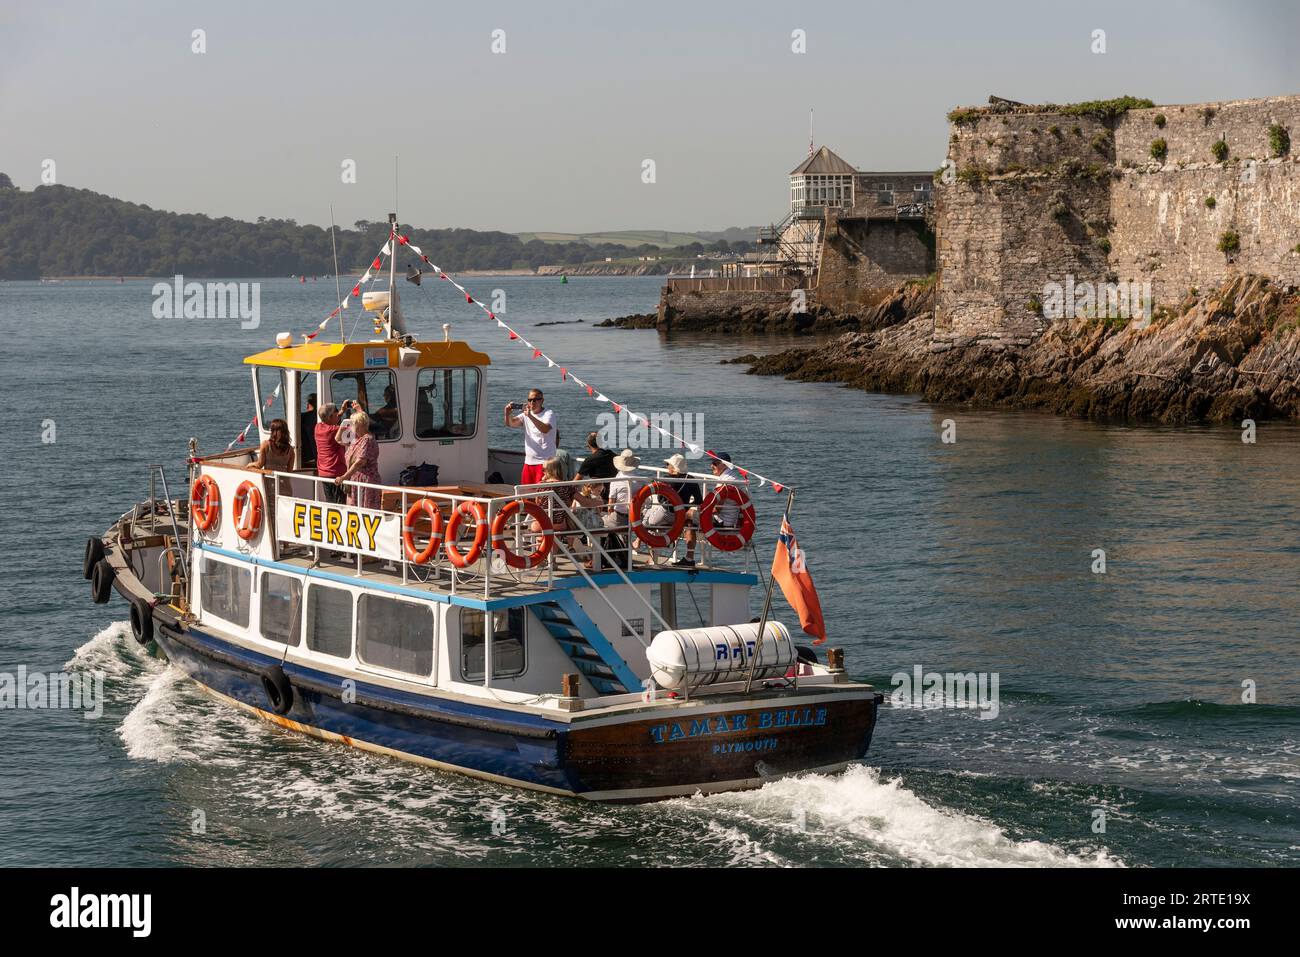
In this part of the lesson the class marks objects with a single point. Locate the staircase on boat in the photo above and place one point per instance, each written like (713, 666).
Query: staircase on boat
(582, 641)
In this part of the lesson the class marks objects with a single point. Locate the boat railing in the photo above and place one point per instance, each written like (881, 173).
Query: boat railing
(586, 539)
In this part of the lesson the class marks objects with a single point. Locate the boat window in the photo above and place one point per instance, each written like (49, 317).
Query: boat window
(329, 620)
(377, 393)
(225, 591)
(395, 634)
(281, 608)
(268, 381)
(307, 406)
(446, 403)
(507, 643)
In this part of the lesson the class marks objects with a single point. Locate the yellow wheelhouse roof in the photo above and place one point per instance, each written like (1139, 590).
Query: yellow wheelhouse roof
(314, 356)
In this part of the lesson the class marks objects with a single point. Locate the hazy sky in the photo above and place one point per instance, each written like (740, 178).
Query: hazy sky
(552, 133)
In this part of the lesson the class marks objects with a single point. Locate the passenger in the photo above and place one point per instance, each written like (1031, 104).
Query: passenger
(330, 452)
(688, 490)
(620, 495)
(363, 463)
(727, 515)
(599, 464)
(307, 432)
(384, 421)
(567, 466)
(540, 436)
(275, 453)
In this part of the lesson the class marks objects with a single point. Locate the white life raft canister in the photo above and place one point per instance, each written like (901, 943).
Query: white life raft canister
(700, 656)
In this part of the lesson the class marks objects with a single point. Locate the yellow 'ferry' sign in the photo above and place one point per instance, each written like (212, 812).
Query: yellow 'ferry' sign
(339, 527)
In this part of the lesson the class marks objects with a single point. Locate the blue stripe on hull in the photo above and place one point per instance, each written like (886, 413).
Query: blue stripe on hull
(521, 748)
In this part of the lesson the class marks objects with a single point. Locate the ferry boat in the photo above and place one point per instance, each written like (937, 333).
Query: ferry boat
(474, 625)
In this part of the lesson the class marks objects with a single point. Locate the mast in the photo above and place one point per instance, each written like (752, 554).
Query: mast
(392, 273)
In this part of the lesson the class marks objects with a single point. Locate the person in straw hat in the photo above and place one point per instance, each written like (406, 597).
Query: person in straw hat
(620, 495)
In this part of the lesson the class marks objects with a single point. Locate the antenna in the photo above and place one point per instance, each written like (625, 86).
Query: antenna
(338, 293)
(810, 131)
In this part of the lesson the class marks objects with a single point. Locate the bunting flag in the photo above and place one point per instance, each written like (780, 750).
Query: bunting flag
(567, 375)
(790, 570)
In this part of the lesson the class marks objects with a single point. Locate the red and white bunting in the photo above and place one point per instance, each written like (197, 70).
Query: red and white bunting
(566, 375)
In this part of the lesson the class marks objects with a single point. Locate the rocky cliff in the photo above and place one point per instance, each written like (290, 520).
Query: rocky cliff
(1223, 355)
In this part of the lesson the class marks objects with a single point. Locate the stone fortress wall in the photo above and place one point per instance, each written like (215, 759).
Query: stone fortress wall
(1031, 196)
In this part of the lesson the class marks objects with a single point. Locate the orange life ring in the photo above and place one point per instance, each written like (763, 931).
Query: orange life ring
(248, 496)
(538, 554)
(728, 539)
(479, 514)
(205, 502)
(663, 490)
(427, 507)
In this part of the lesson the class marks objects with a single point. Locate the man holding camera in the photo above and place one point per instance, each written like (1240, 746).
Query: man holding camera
(539, 435)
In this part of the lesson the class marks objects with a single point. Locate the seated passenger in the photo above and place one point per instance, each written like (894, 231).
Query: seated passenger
(688, 490)
(727, 515)
(620, 495)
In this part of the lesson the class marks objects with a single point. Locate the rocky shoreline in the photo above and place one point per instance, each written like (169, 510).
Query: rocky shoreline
(1219, 356)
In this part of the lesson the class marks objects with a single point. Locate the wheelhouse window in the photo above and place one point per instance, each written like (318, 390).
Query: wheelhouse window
(329, 620)
(376, 392)
(269, 380)
(395, 634)
(446, 403)
(281, 608)
(225, 591)
(508, 658)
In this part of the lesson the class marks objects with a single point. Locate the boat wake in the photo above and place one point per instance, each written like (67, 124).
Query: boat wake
(861, 817)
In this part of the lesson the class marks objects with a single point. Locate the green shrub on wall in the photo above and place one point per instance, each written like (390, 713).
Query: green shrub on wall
(1159, 149)
(1279, 140)
(1229, 241)
(1159, 120)
(1210, 202)
(1220, 150)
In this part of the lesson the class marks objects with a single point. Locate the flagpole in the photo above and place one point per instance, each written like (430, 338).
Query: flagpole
(767, 607)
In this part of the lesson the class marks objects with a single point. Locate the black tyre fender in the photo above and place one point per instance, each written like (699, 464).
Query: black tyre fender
(101, 581)
(94, 553)
(805, 653)
(142, 621)
(279, 692)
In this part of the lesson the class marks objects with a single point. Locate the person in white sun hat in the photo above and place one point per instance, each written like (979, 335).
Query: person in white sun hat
(688, 490)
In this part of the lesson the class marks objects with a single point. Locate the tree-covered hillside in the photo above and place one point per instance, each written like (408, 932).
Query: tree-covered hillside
(62, 231)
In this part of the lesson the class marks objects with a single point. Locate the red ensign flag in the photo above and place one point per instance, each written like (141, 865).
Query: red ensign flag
(789, 570)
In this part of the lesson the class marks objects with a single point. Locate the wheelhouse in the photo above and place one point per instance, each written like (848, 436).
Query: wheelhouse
(424, 399)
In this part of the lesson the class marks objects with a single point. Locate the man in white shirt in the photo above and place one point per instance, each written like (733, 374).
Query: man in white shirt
(728, 512)
(539, 435)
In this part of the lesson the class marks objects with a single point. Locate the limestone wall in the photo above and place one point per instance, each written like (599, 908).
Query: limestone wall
(862, 260)
(1033, 198)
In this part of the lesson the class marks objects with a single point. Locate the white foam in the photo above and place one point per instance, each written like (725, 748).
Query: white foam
(107, 651)
(860, 808)
(151, 730)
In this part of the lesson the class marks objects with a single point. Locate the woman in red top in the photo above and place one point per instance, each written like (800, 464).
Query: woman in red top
(363, 463)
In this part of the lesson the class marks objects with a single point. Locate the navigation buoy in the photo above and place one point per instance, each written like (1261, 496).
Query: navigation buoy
(564, 279)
